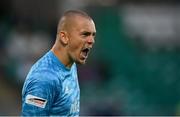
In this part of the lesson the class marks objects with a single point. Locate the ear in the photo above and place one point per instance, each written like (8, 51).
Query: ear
(63, 37)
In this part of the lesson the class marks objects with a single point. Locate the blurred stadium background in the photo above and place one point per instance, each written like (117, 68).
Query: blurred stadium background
(134, 68)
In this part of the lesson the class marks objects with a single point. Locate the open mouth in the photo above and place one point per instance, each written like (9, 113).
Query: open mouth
(85, 52)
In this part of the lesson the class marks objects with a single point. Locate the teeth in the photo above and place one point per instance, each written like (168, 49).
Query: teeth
(85, 52)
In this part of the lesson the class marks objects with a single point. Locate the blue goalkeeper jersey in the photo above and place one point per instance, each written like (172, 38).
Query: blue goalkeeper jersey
(51, 89)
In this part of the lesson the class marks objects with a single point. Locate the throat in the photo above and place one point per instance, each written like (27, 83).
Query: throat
(63, 57)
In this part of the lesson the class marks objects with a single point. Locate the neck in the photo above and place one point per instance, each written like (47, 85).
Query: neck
(62, 55)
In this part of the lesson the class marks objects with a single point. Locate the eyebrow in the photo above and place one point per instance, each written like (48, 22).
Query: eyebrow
(88, 33)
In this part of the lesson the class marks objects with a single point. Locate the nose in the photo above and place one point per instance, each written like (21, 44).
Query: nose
(91, 40)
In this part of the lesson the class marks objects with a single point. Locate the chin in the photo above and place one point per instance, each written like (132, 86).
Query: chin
(82, 62)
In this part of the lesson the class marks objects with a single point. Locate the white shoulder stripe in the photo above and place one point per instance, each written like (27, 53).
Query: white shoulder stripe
(36, 101)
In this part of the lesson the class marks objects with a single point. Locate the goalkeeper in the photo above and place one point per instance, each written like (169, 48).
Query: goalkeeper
(51, 87)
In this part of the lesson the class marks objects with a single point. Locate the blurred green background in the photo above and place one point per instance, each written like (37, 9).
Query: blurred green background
(133, 69)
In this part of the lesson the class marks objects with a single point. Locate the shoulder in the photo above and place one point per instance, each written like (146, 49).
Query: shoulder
(44, 83)
(44, 70)
(43, 77)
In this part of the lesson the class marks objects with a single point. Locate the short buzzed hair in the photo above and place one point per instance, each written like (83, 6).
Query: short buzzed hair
(68, 15)
(76, 12)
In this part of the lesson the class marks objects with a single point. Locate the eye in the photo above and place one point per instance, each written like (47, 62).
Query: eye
(85, 34)
(94, 34)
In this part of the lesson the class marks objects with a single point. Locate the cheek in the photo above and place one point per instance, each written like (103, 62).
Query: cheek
(76, 45)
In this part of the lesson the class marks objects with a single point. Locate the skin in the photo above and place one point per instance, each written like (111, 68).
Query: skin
(75, 33)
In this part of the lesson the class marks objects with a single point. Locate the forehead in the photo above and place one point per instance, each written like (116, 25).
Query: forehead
(82, 23)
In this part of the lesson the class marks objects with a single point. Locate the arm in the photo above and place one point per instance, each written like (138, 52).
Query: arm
(38, 95)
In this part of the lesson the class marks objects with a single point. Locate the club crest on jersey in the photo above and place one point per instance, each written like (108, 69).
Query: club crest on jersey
(36, 101)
